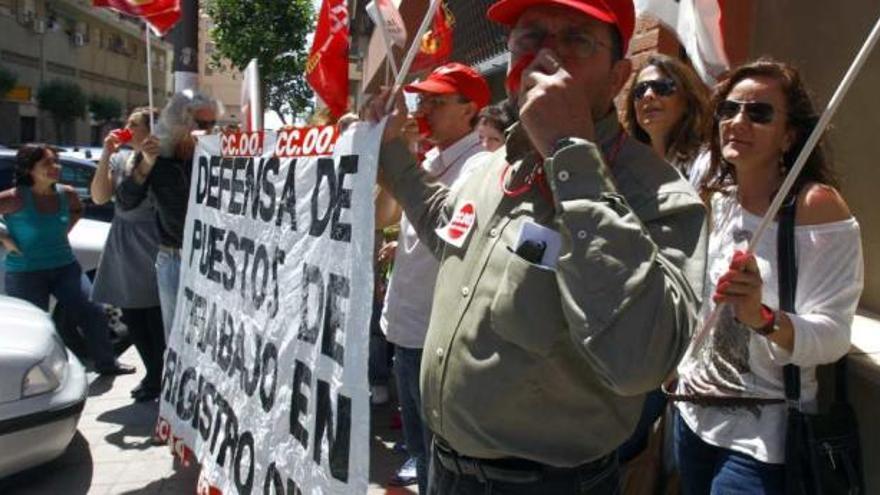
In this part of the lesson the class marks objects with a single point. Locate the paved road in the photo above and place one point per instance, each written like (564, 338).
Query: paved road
(111, 453)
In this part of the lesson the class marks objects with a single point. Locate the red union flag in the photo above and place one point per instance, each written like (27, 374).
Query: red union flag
(327, 67)
(161, 15)
(435, 47)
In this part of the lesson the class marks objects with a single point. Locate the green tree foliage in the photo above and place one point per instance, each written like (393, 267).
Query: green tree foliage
(105, 109)
(274, 33)
(64, 101)
(7, 81)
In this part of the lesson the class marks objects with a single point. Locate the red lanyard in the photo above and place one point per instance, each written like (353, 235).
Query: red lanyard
(536, 176)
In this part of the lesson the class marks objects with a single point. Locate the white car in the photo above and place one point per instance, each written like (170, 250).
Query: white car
(43, 388)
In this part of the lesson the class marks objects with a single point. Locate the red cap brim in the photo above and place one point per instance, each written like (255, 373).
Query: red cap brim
(431, 86)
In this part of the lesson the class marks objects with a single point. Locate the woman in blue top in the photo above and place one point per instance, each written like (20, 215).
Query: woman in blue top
(38, 214)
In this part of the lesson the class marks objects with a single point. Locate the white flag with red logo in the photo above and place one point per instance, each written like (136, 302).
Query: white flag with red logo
(386, 16)
(698, 24)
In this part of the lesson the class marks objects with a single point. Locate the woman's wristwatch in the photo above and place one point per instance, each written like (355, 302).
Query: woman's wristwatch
(771, 322)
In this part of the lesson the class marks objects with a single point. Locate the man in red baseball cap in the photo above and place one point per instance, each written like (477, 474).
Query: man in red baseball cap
(450, 99)
(570, 267)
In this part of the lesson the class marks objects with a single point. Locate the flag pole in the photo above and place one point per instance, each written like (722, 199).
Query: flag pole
(411, 54)
(149, 75)
(792, 176)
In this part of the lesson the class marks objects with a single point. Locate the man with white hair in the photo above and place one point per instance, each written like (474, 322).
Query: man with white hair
(166, 179)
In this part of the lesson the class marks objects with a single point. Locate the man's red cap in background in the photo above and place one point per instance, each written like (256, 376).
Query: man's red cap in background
(620, 13)
(454, 78)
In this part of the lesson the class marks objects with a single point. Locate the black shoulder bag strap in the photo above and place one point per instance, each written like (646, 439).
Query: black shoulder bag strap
(787, 273)
(787, 261)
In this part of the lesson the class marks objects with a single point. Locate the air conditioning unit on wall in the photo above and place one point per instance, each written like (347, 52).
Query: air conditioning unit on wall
(26, 16)
(40, 25)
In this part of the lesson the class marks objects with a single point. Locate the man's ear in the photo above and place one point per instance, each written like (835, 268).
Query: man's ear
(620, 73)
(471, 111)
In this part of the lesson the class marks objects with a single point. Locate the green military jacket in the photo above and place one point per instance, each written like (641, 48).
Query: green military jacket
(521, 360)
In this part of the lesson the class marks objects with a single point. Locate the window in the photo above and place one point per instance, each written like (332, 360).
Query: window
(77, 175)
(7, 172)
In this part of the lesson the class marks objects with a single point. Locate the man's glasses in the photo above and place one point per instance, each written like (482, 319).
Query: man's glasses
(660, 87)
(569, 43)
(431, 101)
(205, 125)
(758, 112)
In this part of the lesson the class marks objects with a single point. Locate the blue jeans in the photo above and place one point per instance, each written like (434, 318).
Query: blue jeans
(707, 469)
(407, 363)
(72, 288)
(379, 363)
(168, 280)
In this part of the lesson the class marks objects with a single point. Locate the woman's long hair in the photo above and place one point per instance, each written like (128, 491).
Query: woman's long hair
(143, 114)
(690, 133)
(25, 160)
(801, 118)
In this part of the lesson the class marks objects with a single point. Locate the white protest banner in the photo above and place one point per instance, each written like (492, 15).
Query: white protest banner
(265, 380)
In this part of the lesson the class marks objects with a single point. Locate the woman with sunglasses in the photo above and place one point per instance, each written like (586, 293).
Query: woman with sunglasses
(667, 107)
(730, 434)
(166, 182)
(38, 214)
(126, 275)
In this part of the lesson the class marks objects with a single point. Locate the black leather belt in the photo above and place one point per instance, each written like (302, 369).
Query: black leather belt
(504, 470)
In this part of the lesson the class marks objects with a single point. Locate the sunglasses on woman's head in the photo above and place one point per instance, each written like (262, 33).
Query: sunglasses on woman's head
(660, 87)
(758, 112)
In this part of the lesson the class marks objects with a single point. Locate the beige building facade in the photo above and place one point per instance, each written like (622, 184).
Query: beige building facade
(223, 83)
(103, 53)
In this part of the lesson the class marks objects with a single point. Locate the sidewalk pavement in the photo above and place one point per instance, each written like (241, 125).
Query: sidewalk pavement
(111, 453)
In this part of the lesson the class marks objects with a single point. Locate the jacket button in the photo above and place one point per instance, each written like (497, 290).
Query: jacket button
(465, 291)
(582, 234)
(562, 175)
(493, 233)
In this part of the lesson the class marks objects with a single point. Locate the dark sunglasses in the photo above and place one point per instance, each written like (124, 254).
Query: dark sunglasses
(660, 87)
(205, 125)
(757, 111)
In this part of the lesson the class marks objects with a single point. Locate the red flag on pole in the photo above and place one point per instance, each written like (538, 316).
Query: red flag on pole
(327, 67)
(161, 15)
(436, 45)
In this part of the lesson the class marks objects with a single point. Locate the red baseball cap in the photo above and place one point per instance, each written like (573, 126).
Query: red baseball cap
(454, 78)
(620, 13)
